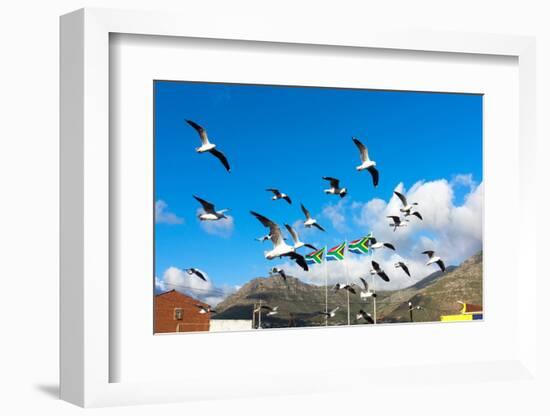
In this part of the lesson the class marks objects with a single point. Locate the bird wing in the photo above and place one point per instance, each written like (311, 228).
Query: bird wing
(287, 199)
(334, 310)
(375, 265)
(299, 259)
(306, 212)
(365, 284)
(383, 275)
(318, 226)
(441, 265)
(395, 218)
(207, 206)
(275, 191)
(334, 182)
(363, 151)
(293, 233)
(417, 214)
(375, 175)
(200, 130)
(390, 246)
(199, 274)
(311, 246)
(429, 253)
(274, 230)
(405, 269)
(222, 158)
(401, 197)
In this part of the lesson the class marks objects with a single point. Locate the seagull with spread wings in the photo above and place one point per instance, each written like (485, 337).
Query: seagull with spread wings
(408, 208)
(206, 146)
(279, 271)
(196, 272)
(366, 163)
(310, 221)
(330, 314)
(279, 195)
(280, 247)
(432, 258)
(335, 187)
(210, 213)
(375, 245)
(205, 309)
(366, 293)
(376, 269)
(397, 222)
(296, 238)
(364, 315)
(401, 265)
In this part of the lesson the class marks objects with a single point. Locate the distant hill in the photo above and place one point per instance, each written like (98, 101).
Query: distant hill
(300, 303)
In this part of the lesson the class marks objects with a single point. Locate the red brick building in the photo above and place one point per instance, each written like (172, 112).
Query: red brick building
(176, 312)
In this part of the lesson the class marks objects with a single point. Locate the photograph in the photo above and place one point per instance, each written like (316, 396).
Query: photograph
(280, 206)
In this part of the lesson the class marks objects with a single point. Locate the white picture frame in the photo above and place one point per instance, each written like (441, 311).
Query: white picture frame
(86, 262)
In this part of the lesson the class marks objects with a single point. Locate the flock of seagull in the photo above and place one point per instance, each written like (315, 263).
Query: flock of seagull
(283, 249)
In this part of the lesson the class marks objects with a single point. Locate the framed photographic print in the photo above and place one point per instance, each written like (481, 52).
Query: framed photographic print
(291, 195)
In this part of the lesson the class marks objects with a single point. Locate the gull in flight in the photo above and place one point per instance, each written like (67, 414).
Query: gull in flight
(205, 309)
(376, 269)
(271, 310)
(366, 293)
(434, 259)
(330, 314)
(207, 146)
(408, 209)
(210, 213)
(366, 163)
(397, 222)
(378, 244)
(310, 222)
(280, 272)
(347, 287)
(297, 243)
(364, 315)
(335, 187)
(402, 266)
(279, 195)
(280, 248)
(196, 272)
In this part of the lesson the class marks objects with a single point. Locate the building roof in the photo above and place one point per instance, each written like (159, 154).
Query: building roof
(183, 296)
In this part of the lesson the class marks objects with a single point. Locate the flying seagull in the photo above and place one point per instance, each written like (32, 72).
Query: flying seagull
(335, 187)
(374, 244)
(196, 272)
(280, 272)
(264, 238)
(330, 314)
(210, 213)
(347, 287)
(366, 293)
(397, 222)
(297, 243)
(376, 269)
(207, 146)
(310, 222)
(280, 248)
(408, 208)
(279, 195)
(364, 315)
(205, 309)
(366, 163)
(403, 266)
(271, 310)
(434, 259)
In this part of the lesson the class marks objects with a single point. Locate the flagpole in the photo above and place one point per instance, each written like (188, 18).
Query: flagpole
(326, 286)
(347, 275)
(373, 286)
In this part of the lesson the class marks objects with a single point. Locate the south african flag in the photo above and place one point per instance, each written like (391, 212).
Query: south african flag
(315, 257)
(336, 253)
(360, 246)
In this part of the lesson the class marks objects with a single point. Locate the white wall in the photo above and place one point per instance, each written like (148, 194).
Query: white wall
(29, 208)
(220, 325)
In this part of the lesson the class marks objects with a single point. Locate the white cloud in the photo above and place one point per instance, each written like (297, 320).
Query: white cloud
(453, 231)
(180, 280)
(221, 228)
(336, 214)
(163, 216)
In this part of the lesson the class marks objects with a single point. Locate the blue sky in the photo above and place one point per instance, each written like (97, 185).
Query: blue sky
(288, 138)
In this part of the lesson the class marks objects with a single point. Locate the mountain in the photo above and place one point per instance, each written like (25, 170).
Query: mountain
(300, 303)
